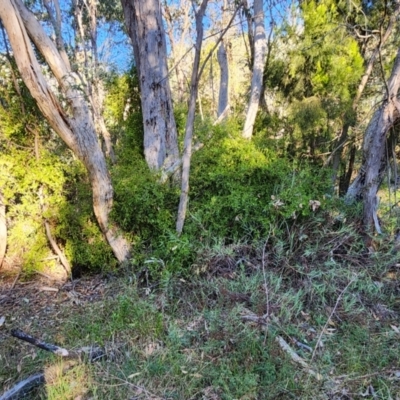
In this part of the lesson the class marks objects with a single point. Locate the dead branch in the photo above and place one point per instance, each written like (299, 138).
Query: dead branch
(23, 387)
(296, 358)
(17, 333)
(93, 353)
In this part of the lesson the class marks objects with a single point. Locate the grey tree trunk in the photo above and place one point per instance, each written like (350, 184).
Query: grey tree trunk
(260, 49)
(90, 70)
(72, 123)
(223, 97)
(145, 27)
(3, 229)
(373, 167)
(187, 151)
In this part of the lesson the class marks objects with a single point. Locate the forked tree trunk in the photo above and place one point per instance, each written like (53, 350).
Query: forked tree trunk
(72, 124)
(145, 27)
(373, 167)
(3, 229)
(260, 48)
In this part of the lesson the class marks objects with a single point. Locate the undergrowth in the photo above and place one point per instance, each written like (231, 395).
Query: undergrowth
(215, 335)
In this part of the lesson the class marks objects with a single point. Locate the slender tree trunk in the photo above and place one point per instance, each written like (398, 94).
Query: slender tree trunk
(187, 150)
(93, 84)
(263, 103)
(145, 27)
(178, 46)
(373, 167)
(250, 31)
(196, 75)
(260, 48)
(74, 126)
(3, 229)
(223, 97)
(222, 57)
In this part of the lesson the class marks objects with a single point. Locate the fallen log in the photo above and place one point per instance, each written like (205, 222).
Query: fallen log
(23, 387)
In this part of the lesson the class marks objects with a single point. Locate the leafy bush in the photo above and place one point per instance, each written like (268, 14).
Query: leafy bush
(84, 244)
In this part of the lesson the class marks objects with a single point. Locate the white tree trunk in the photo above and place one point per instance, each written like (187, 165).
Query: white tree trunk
(223, 97)
(260, 49)
(145, 26)
(3, 229)
(73, 124)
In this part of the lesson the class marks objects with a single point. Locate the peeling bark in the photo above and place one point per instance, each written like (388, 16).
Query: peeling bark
(72, 124)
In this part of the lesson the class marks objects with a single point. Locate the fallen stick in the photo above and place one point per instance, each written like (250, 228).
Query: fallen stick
(93, 353)
(39, 343)
(296, 358)
(263, 322)
(23, 387)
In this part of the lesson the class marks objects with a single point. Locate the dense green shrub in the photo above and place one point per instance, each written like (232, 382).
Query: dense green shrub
(238, 188)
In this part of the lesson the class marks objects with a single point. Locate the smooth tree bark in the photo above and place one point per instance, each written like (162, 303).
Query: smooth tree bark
(86, 37)
(72, 121)
(145, 27)
(373, 167)
(260, 49)
(187, 149)
(250, 32)
(223, 96)
(222, 57)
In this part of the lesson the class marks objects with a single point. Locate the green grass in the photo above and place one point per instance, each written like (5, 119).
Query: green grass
(189, 339)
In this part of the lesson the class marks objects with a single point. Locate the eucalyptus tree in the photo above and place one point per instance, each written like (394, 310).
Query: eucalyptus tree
(222, 56)
(372, 39)
(370, 176)
(260, 51)
(69, 118)
(145, 27)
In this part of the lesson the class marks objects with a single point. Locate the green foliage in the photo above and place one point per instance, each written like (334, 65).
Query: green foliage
(316, 67)
(238, 188)
(77, 228)
(27, 183)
